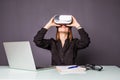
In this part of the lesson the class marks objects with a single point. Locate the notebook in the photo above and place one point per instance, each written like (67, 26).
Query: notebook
(70, 69)
(19, 55)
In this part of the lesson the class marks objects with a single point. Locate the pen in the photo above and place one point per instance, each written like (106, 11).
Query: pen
(72, 67)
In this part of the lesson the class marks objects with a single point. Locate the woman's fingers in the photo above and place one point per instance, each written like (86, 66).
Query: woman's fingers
(74, 22)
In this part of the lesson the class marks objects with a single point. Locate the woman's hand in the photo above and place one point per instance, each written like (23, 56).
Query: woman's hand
(74, 23)
(50, 23)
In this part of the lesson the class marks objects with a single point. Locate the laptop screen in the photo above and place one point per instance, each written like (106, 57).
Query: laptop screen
(19, 55)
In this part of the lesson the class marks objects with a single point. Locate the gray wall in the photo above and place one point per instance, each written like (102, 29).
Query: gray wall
(21, 19)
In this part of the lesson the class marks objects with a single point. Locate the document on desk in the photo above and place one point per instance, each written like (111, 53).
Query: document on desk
(71, 69)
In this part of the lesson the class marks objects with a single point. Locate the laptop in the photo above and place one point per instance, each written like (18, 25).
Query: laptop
(19, 55)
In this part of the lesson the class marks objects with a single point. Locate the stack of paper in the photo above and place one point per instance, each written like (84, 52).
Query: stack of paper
(72, 69)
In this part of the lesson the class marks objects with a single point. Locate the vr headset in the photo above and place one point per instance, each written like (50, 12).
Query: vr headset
(63, 19)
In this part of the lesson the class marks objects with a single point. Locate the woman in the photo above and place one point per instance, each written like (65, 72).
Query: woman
(64, 48)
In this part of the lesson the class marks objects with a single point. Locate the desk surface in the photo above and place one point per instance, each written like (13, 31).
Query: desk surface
(109, 73)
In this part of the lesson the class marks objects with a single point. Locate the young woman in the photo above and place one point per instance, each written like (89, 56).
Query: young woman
(64, 48)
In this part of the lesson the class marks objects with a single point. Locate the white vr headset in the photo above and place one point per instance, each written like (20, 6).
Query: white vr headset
(63, 19)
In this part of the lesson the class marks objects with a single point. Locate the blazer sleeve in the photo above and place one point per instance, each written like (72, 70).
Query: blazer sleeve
(84, 40)
(40, 41)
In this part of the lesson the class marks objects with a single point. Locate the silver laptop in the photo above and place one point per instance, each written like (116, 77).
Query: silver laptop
(19, 55)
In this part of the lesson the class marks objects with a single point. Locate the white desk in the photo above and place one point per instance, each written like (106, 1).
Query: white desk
(109, 73)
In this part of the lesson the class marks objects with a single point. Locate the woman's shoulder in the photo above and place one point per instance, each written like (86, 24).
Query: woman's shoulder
(74, 39)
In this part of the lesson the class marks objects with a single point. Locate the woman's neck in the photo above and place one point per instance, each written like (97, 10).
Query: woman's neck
(63, 37)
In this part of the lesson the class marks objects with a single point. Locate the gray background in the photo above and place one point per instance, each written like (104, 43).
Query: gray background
(21, 19)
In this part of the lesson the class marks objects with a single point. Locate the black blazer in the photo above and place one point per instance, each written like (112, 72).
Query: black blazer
(62, 55)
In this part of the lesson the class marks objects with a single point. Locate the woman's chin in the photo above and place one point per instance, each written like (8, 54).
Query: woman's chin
(63, 32)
